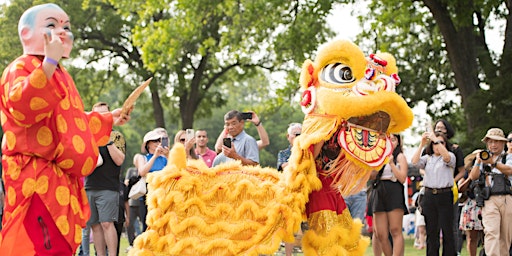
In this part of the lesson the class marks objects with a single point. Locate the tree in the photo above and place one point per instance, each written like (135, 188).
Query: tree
(195, 44)
(442, 47)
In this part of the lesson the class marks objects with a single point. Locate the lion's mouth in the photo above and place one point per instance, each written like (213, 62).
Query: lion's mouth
(365, 138)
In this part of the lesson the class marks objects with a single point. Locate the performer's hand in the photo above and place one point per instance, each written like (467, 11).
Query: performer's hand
(53, 46)
(120, 119)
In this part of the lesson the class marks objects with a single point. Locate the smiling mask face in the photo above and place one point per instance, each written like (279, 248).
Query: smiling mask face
(39, 20)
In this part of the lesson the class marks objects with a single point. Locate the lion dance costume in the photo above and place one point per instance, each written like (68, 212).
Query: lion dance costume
(351, 108)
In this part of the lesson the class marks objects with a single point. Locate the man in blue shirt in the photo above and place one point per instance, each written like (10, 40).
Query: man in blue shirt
(243, 146)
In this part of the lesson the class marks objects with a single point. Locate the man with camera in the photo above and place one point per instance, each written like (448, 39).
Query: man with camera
(493, 167)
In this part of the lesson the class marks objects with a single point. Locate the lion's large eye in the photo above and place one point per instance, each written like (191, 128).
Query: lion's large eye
(337, 73)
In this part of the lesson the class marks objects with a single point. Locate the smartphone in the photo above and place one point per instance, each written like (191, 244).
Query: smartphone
(190, 134)
(226, 142)
(165, 142)
(246, 115)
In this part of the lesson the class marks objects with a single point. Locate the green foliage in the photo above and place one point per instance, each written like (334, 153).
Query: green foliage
(199, 46)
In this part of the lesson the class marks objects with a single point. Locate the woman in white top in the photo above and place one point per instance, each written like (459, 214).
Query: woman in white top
(388, 204)
(437, 204)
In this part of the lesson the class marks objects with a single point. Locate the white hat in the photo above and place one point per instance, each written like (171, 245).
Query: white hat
(495, 134)
(151, 135)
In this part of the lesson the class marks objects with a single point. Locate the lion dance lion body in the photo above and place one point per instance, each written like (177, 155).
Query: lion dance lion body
(351, 108)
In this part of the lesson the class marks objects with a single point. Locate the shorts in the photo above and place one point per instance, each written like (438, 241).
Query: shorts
(388, 196)
(104, 206)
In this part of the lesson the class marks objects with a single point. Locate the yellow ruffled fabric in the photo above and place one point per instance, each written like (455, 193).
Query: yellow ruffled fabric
(227, 210)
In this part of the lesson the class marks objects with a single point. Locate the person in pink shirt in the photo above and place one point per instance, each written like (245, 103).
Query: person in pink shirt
(202, 149)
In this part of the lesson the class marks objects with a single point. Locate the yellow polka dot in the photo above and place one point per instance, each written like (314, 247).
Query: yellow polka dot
(88, 166)
(74, 204)
(95, 124)
(3, 117)
(79, 144)
(66, 163)
(62, 125)
(10, 137)
(36, 62)
(11, 196)
(62, 195)
(28, 187)
(16, 90)
(63, 224)
(59, 150)
(78, 103)
(13, 170)
(64, 104)
(42, 185)
(78, 234)
(44, 136)
(17, 115)
(37, 103)
(41, 116)
(57, 171)
(84, 195)
(80, 123)
(38, 79)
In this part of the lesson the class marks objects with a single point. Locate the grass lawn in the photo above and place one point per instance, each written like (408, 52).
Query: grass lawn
(409, 249)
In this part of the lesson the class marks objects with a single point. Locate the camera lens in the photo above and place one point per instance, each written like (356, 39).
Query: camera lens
(484, 155)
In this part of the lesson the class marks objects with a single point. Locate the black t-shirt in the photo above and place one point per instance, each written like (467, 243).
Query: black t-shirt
(459, 159)
(106, 176)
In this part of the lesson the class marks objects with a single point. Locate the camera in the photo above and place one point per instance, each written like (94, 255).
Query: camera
(246, 115)
(485, 154)
(480, 191)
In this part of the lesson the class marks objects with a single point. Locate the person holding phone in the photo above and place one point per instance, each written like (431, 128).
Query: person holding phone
(243, 146)
(188, 139)
(252, 117)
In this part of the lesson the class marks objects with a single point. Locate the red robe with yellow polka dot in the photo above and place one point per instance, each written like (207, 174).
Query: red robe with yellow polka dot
(49, 144)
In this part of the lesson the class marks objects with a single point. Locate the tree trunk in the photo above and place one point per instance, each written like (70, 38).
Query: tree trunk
(460, 46)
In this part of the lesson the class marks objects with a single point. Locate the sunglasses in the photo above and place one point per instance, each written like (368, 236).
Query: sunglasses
(182, 140)
(297, 134)
(509, 139)
(158, 140)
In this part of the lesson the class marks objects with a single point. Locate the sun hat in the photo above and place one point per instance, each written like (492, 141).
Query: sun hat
(495, 134)
(151, 135)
